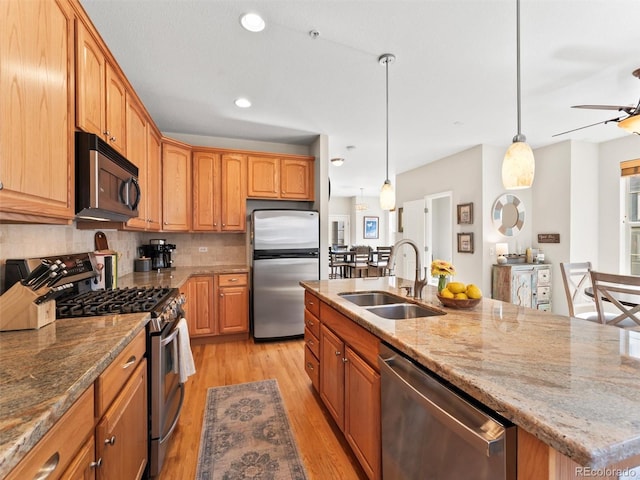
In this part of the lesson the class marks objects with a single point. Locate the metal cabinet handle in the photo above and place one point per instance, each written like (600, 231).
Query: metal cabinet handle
(345, 360)
(131, 361)
(310, 342)
(309, 365)
(110, 441)
(49, 467)
(1, 186)
(224, 224)
(107, 132)
(310, 323)
(96, 464)
(338, 354)
(221, 295)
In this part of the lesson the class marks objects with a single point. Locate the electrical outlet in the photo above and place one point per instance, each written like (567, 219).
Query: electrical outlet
(203, 249)
(491, 251)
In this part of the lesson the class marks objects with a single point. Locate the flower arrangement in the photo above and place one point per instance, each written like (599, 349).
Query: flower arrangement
(442, 269)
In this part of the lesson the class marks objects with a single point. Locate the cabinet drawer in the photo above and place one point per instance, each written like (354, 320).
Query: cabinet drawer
(544, 276)
(544, 294)
(312, 342)
(312, 367)
(312, 323)
(60, 445)
(545, 307)
(232, 279)
(312, 303)
(115, 376)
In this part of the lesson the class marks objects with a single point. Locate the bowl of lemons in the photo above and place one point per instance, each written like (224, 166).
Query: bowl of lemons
(459, 295)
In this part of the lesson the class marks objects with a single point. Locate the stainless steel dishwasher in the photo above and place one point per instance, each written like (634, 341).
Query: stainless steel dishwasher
(431, 432)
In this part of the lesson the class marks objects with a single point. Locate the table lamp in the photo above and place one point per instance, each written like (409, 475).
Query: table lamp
(502, 249)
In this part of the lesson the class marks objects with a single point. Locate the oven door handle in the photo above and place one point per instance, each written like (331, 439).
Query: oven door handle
(170, 338)
(175, 419)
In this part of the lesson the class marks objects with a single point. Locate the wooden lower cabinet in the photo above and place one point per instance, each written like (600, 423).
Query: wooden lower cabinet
(217, 305)
(83, 466)
(349, 385)
(122, 432)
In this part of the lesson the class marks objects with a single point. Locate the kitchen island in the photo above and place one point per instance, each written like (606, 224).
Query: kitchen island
(570, 383)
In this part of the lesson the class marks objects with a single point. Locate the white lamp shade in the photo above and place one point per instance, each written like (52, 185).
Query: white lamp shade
(502, 249)
(387, 196)
(631, 124)
(518, 166)
(337, 161)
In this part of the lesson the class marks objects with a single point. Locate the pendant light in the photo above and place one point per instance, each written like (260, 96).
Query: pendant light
(361, 206)
(518, 166)
(387, 194)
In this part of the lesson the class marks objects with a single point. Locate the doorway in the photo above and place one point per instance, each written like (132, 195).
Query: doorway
(438, 229)
(339, 230)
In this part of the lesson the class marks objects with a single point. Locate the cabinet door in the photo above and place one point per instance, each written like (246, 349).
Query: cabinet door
(115, 111)
(121, 435)
(154, 180)
(83, 466)
(362, 413)
(201, 318)
(296, 179)
(176, 188)
(36, 113)
(332, 374)
(233, 309)
(263, 177)
(206, 191)
(90, 86)
(137, 154)
(233, 171)
(522, 287)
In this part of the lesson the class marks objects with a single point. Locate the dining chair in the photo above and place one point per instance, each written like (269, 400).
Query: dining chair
(576, 277)
(620, 291)
(359, 262)
(380, 260)
(337, 264)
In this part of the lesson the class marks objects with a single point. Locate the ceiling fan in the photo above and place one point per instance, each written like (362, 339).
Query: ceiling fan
(630, 121)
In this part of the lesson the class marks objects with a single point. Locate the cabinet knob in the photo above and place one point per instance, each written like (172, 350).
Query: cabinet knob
(310, 343)
(96, 464)
(113, 139)
(309, 365)
(344, 360)
(224, 224)
(222, 294)
(110, 441)
(338, 354)
(106, 132)
(1, 186)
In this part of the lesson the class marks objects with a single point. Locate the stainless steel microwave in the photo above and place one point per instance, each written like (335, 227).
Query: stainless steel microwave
(106, 182)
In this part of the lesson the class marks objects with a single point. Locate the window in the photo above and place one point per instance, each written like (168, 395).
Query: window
(633, 223)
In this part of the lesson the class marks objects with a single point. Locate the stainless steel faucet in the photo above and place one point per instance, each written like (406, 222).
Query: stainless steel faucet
(418, 283)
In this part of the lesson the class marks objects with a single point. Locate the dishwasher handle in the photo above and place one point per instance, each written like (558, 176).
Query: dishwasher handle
(473, 436)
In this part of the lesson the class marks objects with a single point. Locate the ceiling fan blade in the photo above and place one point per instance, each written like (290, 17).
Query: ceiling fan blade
(587, 126)
(622, 108)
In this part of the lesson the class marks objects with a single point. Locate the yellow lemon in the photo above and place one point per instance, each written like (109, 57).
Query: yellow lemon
(461, 296)
(446, 293)
(456, 287)
(473, 291)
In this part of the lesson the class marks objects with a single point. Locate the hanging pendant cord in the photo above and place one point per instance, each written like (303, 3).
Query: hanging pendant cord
(518, 61)
(387, 163)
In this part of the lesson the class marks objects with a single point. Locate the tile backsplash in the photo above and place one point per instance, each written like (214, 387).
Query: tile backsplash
(25, 241)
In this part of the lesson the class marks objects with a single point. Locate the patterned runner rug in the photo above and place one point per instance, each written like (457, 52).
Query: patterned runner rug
(246, 435)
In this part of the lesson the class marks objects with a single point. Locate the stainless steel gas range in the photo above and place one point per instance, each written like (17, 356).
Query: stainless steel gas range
(165, 392)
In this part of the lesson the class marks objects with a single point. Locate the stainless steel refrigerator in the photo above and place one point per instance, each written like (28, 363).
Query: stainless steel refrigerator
(285, 245)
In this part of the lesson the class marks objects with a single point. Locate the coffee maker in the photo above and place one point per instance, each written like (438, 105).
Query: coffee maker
(160, 253)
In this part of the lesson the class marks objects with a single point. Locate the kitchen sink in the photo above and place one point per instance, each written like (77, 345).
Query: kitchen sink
(401, 311)
(370, 299)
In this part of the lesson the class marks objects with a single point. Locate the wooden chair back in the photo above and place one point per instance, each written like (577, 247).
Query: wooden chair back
(576, 277)
(621, 291)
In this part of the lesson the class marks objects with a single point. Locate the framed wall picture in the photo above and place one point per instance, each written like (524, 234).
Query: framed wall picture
(370, 227)
(465, 242)
(465, 213)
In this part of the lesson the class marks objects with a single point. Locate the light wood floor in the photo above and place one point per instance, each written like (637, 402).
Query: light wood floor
(324, 451)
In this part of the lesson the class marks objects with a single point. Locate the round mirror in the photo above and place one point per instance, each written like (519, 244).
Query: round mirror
(508, 215)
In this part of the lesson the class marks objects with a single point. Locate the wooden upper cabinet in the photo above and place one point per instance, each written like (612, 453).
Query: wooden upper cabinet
(36, 177)
(233, 171)
(100, 92)
(137, 154)
(264, 177)
(296, 179)
(206, 191)
(289, 178)
(176, 186)
(154, 179)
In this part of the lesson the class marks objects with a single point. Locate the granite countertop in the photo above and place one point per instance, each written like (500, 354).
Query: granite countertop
(571, 383)
(43, 372)
(175, 277)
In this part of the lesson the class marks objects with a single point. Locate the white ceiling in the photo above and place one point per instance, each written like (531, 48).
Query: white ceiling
(453, 84)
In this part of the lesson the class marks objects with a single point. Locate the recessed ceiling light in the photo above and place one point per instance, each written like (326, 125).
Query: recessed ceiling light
(252, 22)
(243, 102)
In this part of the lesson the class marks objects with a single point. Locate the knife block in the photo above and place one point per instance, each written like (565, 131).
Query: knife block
(18, 312)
